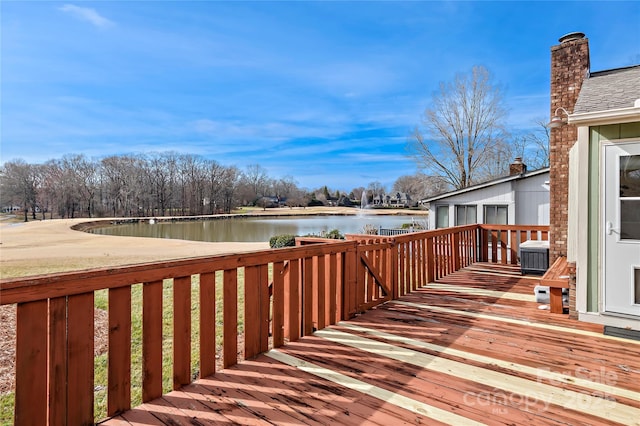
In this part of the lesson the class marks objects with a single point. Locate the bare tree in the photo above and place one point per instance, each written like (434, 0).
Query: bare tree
(462, 129)
(82, 172)
(356, 193)
(255, 183)
(18, 183)
(120, 178)
(420, 186)
(229, 182)
(215, 174)
(297, 198)
(375, 188)
(538, 142)
(285, 187)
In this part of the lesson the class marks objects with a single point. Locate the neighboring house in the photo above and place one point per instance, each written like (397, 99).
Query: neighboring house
(521, 198)
(596, 199)
(398, 200)
(269, 202)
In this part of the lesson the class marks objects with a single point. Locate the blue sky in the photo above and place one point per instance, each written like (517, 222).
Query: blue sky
(325, 92)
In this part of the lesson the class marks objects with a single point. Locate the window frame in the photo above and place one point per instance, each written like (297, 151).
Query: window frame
(466, 208)
(438, 207)
(485, 207)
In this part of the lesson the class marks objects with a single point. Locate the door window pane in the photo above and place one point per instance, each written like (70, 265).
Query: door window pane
(630, 176)
(442, 216)
(629, 194)
(630, 219)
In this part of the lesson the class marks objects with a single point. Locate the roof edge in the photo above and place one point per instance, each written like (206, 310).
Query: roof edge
(609, 116)
(612, 70)
(486, 184)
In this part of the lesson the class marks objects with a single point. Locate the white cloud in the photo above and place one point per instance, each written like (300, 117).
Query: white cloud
(87, 14)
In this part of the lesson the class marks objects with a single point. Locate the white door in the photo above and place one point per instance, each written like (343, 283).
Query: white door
(622, 228)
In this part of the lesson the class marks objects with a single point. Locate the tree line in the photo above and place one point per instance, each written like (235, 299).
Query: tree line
(156, 184)
(162, 184)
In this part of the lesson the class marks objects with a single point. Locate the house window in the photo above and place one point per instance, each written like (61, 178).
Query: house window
(495, 215)
(442, 216)
(466, 215)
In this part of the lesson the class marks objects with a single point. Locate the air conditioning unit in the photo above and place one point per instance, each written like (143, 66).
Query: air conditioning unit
(534, 257)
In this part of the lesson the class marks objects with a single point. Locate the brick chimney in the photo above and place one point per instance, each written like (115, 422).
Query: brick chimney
(517, 167)
(569, 67)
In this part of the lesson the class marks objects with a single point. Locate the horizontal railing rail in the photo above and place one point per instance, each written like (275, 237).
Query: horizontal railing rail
(267, 298)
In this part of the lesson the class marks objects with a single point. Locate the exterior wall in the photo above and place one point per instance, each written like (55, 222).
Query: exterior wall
(532, 200)
(569, 67)
(499, 194)
(527, 201)
(586, 235)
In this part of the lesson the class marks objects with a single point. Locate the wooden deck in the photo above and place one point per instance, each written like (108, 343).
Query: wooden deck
(472, 348)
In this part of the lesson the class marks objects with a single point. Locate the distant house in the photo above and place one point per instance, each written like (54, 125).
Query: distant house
(397, 200)
(522, 198)
(269, 202)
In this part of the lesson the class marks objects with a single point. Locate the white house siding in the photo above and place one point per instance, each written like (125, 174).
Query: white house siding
(532, 200)
(499, 194)
(527, 201)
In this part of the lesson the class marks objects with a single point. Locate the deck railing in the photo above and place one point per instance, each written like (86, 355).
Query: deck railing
(267, 297)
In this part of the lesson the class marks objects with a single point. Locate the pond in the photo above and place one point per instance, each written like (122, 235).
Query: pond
(257, 229)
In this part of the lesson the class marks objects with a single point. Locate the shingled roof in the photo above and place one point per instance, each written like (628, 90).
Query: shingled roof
(611, 89)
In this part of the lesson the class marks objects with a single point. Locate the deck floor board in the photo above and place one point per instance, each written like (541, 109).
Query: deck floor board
(468, 358)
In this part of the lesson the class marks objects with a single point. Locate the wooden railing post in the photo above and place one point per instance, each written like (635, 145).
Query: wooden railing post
(230, 317)
(392, 276)
(58, 368)
(307, 297)
(484, 245)
(321, 291)
(514, 247)
(455, 251)
(332, 274)
(278, 321)
(31, 363)
(207, 324)
(256, 310)
(151, 340)
(350, 265)
(430, 260)
(80, 360)
(181, 331)
(119, 376)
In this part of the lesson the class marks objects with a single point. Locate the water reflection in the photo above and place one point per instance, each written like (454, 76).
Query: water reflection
(259, 229)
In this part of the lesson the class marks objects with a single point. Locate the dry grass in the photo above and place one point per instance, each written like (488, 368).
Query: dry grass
(7, 348)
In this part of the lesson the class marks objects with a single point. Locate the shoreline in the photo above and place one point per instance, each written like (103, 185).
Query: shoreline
(56, 245)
